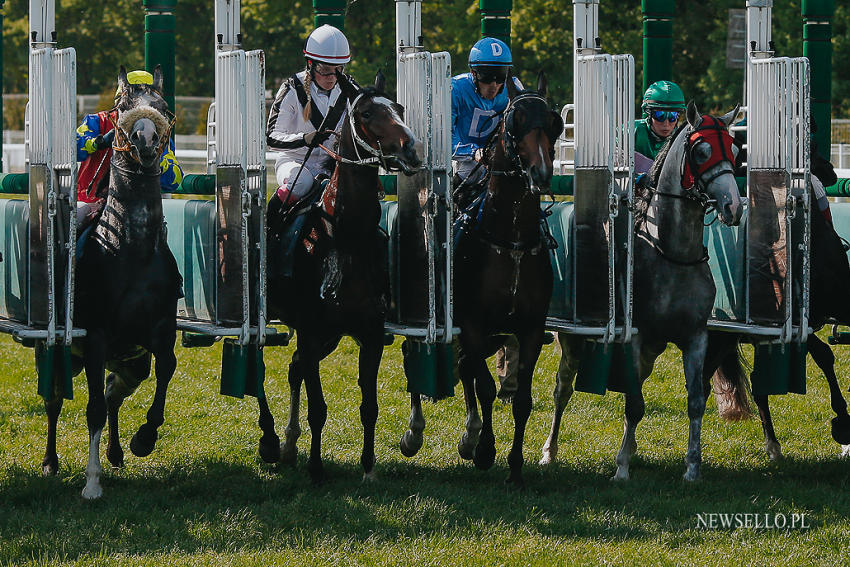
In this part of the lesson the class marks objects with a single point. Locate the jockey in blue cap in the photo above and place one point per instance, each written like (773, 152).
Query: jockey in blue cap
(478, 100)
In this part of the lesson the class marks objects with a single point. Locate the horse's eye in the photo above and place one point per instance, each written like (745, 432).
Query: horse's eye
(702, 152)
(366, 114)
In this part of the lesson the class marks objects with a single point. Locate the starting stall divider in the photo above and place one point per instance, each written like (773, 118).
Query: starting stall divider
(38, 249)
(594, 233)
(220, 245)
(420, 222)
(762, 270)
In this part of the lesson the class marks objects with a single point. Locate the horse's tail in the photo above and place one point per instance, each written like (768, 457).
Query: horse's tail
(730, 387)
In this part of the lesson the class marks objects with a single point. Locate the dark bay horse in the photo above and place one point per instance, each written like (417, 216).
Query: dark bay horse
(127, 284)
(340, 284)
(502, 273)
(830, 280)
(673, 287)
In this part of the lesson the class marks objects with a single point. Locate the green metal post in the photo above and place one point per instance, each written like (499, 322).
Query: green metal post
(817, 46)
(496, 19)
(160, 27)
(330, 12)
(657, 40)
(2, 126)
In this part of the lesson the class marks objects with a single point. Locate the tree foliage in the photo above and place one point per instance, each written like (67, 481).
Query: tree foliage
(109, 34)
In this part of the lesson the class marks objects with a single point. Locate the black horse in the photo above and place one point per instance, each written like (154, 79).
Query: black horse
(502, 273)
(126, 286)
(339, 284)
(830, 280)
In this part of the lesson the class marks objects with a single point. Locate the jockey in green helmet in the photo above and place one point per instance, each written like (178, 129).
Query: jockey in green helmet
(663, 104)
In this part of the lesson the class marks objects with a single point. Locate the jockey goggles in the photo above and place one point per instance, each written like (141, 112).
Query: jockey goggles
(668, 115)
(325, 70)
(491, 75)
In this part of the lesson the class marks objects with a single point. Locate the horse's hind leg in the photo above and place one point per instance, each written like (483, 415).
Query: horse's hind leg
(95, 411)
(529, 351)
(289, 448)
(145, 438)
(371, 350)
(771, 443)
(53, 407)
(269, 442)
(317, 410)
(825, 359)
(693, 357)
(563, 392)
(472, 430)
(412, 439)
(635, 409)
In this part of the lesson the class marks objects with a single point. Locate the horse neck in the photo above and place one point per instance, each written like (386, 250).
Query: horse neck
(132, 216)
(511, 211)
(357, 211)
(679, 222)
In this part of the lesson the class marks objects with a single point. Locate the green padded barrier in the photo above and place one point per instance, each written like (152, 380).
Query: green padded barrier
(14, 250)
(779, 369)
(431, 370)
(242, 370)
(559, 225)
(389, 222)
(192, 184)
(53, 365)
(841, 219)
(607, 368)
(191, 237)
(14, 183)
(726, 254)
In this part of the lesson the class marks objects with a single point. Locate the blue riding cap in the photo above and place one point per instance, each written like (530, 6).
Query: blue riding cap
(490, 51)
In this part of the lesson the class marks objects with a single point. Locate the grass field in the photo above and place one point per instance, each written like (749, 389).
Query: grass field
(204, 497)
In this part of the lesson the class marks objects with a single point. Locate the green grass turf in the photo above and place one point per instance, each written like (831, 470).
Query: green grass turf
(204, 498)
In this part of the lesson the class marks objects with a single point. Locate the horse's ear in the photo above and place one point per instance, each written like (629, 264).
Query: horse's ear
(542, 84)
(511, 86)
(345, 84)
(729, 117)
(157, 78)
(380, 81)
(123, 83)
(693, 115)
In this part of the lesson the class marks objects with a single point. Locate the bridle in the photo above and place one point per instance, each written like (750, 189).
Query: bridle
(122, 139)
(510, 139)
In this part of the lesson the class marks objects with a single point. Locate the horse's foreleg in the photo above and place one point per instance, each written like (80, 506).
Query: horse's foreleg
(693, 357)
(485, 389)
(289, 448)
(771, 443)
(144, 440)
(634, 411)
(370, 360)
(530, 344)
(95, 412)
(53, 407)
(269, 447)
(825, 359)
(563, 392)
(317, 413)
(412, 439)
(469, 439)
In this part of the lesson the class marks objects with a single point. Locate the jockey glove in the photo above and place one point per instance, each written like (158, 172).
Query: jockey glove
(104, 141)
(313, 139)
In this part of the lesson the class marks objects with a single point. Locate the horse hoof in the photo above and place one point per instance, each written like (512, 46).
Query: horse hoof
(691, 475)
(845, 452)
(92, 492)
(774, 451)
(370, 477)
(620, 476)
(410, 444)
(50, 466)
(484, 457)
(115, 456)
(841, 430)
(316, 470)
(506, 397)
(515, 482)
(270, 448)
(143, 441)
(288, 454)
(549, 454)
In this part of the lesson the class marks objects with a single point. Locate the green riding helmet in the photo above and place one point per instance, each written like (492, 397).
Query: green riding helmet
(663, 95)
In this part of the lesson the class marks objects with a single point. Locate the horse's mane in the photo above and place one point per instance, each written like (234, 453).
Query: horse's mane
(658, 164)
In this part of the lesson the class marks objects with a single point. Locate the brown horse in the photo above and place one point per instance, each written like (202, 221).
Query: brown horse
(502, 274)
(339, 284)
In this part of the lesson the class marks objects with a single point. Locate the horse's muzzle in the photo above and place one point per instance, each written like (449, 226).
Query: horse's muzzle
(408, 158)
(145, 139)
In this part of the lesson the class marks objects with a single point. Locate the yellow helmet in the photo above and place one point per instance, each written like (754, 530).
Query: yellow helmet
(138, 77)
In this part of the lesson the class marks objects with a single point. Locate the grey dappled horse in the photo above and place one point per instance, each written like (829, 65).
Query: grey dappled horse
(126, 286)
(673, 287)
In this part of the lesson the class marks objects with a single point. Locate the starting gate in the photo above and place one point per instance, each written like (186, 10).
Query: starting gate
(762, 269)
(594, 232)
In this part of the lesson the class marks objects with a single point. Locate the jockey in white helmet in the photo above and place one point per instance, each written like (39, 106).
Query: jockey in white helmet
(299, 109)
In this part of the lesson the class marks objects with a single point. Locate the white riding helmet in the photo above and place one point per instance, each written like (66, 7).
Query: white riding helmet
(327, 45)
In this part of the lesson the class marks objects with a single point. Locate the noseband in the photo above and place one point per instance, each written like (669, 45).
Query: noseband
(122, 139)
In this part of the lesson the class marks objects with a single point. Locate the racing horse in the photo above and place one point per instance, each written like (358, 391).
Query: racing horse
(127, 285)
(339, 284)
(502, 274)
(673, 287)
